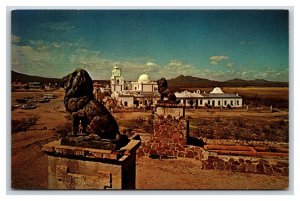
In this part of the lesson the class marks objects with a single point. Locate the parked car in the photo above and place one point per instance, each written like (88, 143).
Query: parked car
(44, 100)
(29, 106)
(22, 100)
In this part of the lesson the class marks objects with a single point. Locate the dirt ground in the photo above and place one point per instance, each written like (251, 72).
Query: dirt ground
(186, 174)
(29, 163)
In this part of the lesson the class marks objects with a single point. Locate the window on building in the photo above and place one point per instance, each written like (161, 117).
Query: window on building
(200, 102)
(219, 102)
(125, 103)
(237, 102)
(118, 81)
(208, 102)
(225, 102)
(231, 102)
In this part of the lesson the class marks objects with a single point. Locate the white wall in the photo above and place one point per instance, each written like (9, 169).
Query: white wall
(135, 86)
(147, 87)
(128, 99)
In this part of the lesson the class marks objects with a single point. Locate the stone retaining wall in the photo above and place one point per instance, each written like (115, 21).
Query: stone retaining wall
(169, 150)
(245, 164)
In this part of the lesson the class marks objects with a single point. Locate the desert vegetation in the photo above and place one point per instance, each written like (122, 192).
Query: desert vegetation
(140, 123)
(24, 124)
(273, 129)
(278, 97)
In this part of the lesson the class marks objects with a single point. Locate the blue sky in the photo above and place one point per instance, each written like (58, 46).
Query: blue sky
(213, 44)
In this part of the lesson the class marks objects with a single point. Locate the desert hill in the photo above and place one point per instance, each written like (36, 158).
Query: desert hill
(20, 77)
(193, 82)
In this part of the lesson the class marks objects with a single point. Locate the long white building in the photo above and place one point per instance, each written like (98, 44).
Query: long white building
(216, 98)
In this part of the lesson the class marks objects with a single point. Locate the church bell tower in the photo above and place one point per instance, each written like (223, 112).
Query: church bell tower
(116, 80)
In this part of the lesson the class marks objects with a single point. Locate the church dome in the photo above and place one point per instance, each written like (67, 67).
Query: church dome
(144, 78)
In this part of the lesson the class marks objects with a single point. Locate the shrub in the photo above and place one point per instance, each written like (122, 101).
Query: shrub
(207, 105)
(138, 123)
(24, 124)
(239, 123)
(218, 119)
(63, 129)
(154, 156)
(236, 134)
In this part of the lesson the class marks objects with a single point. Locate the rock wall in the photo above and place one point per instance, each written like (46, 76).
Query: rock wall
(245, 164)
(169, 140)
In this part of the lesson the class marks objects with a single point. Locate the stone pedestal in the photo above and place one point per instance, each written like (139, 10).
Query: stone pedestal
(175, 110)
(71, 167)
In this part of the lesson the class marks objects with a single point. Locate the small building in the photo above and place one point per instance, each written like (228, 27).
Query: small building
(48, 96)
(18, 85)
(131, 99)
(35, 85)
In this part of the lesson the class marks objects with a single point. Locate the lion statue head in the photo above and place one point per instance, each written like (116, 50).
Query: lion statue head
(78, 88)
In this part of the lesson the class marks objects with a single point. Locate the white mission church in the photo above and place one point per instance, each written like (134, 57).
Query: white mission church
(144, 92)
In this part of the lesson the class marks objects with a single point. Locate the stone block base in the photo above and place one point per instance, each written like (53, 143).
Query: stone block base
(87, 168)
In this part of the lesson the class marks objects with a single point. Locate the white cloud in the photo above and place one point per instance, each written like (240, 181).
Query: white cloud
(216, 59)
(58, 26)
(151, 64)
(175, 68)
(229, 65)
(56, 59)
(15, 39)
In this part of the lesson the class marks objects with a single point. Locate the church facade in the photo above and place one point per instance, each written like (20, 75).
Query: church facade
(132, 94)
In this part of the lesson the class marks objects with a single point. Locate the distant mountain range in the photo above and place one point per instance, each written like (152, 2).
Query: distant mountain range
(20, 77)
(192, 82)
(178, 82)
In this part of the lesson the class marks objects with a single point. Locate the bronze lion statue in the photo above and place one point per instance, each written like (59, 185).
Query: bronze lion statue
(86, 111)
(164, 91)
